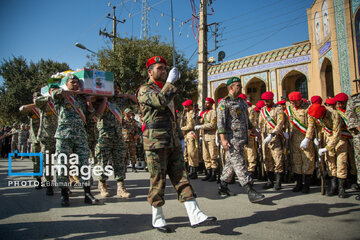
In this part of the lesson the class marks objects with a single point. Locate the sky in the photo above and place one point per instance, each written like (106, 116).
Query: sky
(49, 29)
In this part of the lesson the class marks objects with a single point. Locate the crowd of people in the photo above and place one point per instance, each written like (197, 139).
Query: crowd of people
(291, 140)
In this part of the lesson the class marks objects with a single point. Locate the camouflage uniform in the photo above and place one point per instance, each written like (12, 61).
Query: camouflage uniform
(273, 152)
(162, 143)
(129, 131)
(250, 148)
(353, 117)
(233, 120)
(190, 138)
(14, 139)
(92, 136)
(35, 145)
(22, 140)
(46, 133)
(110, 147)
(70, 134)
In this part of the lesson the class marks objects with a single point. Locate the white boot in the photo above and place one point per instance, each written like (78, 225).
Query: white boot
(158, 219)
(196, 216)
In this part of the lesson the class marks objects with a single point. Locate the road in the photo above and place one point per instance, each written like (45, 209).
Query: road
(27, 213)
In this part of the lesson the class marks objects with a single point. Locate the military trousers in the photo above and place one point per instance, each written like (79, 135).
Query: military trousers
(235, 162)
(337, 160)
(356, 141)
(250, 154)
(168, 161)
(274, 155)
(130, 156)
(111, 151)
(48, 146)
(35, 148)
(192, 151)
(210, 154)
(302, 160)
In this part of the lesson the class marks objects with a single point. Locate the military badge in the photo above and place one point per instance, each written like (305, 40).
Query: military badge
(238, 111)
(68, 106)
(157, 59)
(49, 113)
(222, 107)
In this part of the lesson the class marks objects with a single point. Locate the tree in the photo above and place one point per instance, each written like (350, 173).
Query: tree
(21, 80)
(128, 60)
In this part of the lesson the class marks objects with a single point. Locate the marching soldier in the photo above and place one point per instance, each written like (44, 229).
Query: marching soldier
(316, 99)
(210, 151)
(22, 139)
(14, 137)
(336, 146)
(233, 125)
(353, 117)
(190, 138)
(71, 134)
(271, 122)
(163, 141)
(130, 136)
(301, 145)
(250, 147)
(330, 103)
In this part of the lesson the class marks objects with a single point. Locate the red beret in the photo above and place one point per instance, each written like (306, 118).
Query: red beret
(341, 97)
(305, 100)
(316, 99)
(282, 102)
(243, 96)
(210, 100)
(267, 96)
(187, 103)
(295, 96)
(155, 59)
(330, 101)
(256, 109)
(249, 103)
(317, 111)
(219, 100)
(260, 104)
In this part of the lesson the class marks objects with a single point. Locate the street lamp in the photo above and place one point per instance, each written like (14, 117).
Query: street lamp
(79, 45)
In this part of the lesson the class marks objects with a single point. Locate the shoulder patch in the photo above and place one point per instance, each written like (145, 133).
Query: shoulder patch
(222, 107)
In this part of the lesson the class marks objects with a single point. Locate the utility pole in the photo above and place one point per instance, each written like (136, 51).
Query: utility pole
(202, 55)
(113, 35)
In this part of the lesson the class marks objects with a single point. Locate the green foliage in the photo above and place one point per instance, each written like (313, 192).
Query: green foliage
(21, 80)
(128, 61)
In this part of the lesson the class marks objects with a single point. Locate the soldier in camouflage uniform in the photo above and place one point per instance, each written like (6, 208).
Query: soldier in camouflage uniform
(271, 123)
(210, 150)
(14, 137)
(130, 136)
(163, 141)
(353, 118)
(92, 137)
(22, 139)
(233, 124)
(110, 146)
(46, 133)
(71, 135)
(301, 144)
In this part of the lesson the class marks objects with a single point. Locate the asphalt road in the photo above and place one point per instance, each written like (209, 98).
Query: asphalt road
(27, 213)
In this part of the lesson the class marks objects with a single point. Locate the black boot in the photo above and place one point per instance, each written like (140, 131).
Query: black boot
(270, 180)
(65, 197)
(208, 175)
(224, 190)
(299, 185)
(232, 179)
(213, 176)
(193, 173)
(342, 193)
(89, 198)
(252, 194)
(38, 187)
(278, 181)
(333, 188)
(307, 181)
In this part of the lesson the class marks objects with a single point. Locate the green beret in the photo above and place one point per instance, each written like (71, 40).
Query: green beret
(127, 110)
(232, 80)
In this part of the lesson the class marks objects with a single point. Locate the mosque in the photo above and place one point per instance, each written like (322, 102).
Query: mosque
(324, 65)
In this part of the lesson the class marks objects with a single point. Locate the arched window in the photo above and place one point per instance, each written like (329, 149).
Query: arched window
(301, 86)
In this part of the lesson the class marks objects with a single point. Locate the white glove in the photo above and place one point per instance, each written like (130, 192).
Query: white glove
(316, 142)
(197, 127)
(268, 139)
(182, 145)
(173, 75)
(322, 151)
(286, 134)
(21, 108)
(216, 140)
(305, 143)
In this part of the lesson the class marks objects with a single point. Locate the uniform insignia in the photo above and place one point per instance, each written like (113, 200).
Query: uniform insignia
(311, 120)
(67, 106)
(34, 116)
(222, 107)
(49, 113)
(238, 111)
(157, 59)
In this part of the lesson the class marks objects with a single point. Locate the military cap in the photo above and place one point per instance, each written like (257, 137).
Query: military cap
(257, 109)
(341, 97)
(155, 59)
(267, 96)
(317, 111)
(210, 100)
(260, 104)
(219, 100)
(232, 80)
(316, 99)
(295, 96)
(330, 101)
(187, 103)
(282, 102)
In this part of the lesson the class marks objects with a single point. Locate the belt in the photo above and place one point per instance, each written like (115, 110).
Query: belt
(166, 125)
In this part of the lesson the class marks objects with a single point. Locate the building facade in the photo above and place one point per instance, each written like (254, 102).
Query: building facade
(324, 65)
